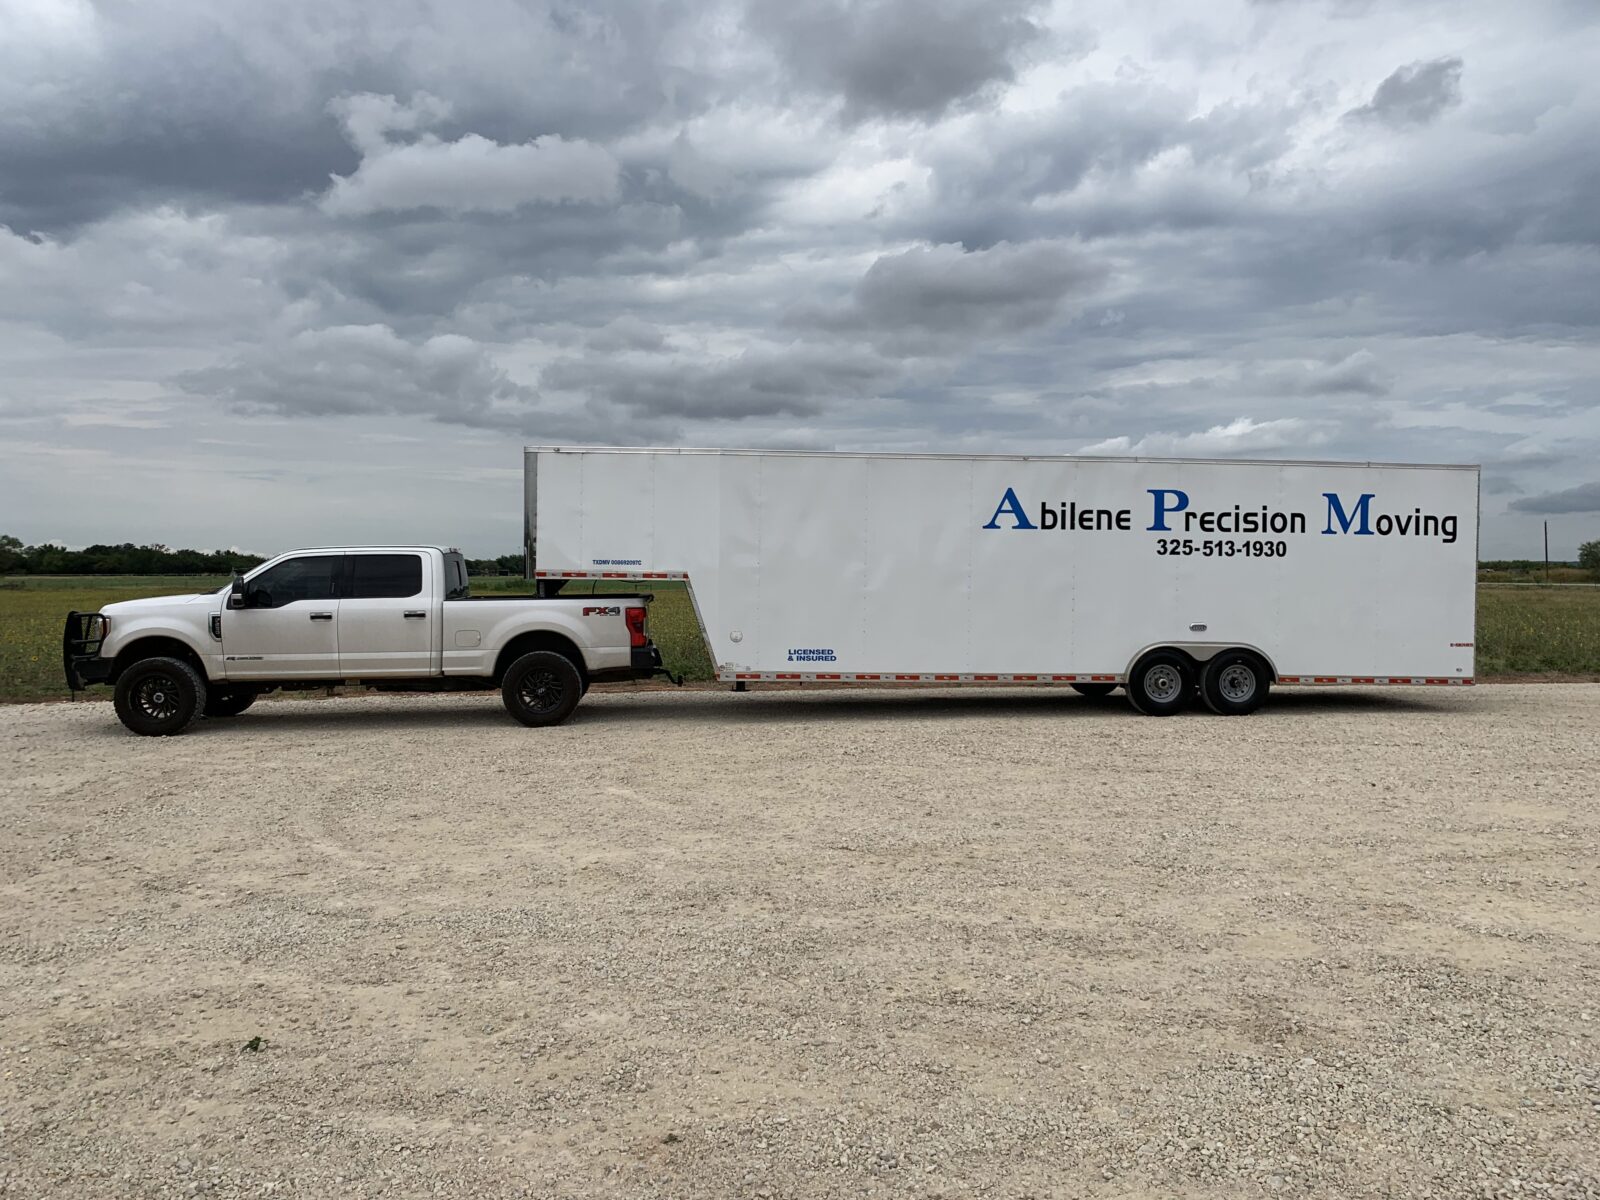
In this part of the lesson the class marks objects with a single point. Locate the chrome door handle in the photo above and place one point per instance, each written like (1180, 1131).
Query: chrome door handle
(415, 614)
(322, 616)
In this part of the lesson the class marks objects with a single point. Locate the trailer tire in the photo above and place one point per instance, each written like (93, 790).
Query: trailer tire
(159, 697)
(1234, 683)
(228, 702)
(1095, 691)
(542, 688)
(1161, 683)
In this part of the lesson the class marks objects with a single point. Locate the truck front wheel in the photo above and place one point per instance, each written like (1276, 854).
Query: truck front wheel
(1161, 683)
(158, 697)
(541, 688)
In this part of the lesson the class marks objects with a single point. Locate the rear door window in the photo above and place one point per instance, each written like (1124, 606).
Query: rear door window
(384, 576)
(456, 577)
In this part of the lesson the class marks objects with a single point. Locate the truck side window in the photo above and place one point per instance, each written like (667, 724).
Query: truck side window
(307, 578)
(384, 576)
(455, 577)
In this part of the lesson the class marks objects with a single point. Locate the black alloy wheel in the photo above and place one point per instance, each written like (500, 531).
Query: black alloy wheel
(158, 697)
(541, 688)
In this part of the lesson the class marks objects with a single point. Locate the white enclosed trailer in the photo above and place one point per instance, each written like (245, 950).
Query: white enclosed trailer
(1175, 578)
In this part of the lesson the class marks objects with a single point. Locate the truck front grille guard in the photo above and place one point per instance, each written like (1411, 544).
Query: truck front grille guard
(76, 643)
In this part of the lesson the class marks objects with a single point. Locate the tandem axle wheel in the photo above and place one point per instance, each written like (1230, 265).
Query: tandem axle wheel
(1231, 683)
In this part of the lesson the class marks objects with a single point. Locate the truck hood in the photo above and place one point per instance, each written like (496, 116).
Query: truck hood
(155, 602)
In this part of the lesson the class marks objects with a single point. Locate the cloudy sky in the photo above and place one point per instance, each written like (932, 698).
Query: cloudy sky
(310, 271)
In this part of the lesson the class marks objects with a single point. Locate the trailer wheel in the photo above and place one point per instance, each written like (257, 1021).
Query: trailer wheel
(1234, 683)
(1161, 683)
(1095, 691)
(542, 688)
(158, 697)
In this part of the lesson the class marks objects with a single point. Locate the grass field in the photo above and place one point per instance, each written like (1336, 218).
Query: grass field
(1521, 630)
(1538, 631)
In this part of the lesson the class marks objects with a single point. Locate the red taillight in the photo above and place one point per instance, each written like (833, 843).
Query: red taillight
(636, 634)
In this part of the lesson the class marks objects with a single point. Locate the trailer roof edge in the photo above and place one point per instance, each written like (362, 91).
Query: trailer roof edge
(1248, 462)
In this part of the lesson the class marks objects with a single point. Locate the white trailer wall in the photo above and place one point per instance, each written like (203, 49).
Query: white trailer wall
(856, 564)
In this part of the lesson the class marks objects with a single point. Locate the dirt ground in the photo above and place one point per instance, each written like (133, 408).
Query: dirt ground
(806, 944)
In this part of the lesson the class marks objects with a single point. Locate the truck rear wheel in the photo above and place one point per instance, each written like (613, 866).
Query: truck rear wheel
(1161, 683)
(1095, 691)
(541, 688)
(228, 702)
(1234, 683)
(158, 697)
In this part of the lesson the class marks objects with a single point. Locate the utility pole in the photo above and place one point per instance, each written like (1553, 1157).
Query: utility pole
(1547, 554)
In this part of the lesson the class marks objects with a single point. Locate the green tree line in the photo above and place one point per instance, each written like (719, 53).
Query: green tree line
(156, 559)
(506, 564)
(122, 559)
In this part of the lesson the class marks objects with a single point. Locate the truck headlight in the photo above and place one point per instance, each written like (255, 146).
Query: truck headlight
(95, 627)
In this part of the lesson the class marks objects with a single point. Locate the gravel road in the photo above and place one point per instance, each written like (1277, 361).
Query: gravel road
(805, 944)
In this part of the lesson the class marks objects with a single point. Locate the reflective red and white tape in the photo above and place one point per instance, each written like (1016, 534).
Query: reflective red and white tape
(610, 575)
(936, 677)
(1376, 680)
(903, 677)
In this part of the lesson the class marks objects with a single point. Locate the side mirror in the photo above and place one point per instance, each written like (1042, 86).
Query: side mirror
(236, 598)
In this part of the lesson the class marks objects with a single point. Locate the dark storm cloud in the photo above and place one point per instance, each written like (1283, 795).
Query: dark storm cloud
(1414, 94)
(994, 174)
(1359, 374)
(1585, 498)
(205, 103)
(469, 174)
(626, 332)
(937, 296)
(355, 369)
(898, 58)
(1499, 485)
(369, 370)
(798, 380)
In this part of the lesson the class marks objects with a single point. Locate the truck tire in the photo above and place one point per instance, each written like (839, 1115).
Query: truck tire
(541, 688)
(1161, 683)
(1235, 683)
(158, 697)
(1095, 691)
(228, 702)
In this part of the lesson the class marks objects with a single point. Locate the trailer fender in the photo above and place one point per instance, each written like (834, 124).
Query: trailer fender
(1202, 652)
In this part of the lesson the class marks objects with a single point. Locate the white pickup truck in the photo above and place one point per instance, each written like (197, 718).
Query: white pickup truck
(397, 618)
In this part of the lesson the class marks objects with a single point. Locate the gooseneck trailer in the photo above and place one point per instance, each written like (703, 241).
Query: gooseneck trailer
(1177, 579)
